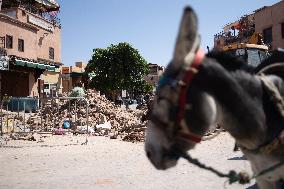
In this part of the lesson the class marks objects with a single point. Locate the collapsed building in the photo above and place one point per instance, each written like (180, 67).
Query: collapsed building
(93, 114)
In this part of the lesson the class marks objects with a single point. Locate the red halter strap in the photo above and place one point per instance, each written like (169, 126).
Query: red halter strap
(183, 94)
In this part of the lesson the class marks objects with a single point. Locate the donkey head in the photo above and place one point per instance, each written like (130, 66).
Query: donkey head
(168, 132)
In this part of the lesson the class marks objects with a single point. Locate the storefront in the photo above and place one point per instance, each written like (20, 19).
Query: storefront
(21, 78)
(30, 35)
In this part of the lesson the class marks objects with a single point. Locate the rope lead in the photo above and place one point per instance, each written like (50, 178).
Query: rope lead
(233, 176)
(243, 177)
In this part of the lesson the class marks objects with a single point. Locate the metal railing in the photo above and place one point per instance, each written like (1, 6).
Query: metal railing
(49, 112)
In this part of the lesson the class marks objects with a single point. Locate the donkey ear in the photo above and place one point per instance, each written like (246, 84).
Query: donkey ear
(187, 39)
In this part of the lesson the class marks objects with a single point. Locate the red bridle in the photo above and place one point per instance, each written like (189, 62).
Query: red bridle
(187, 79)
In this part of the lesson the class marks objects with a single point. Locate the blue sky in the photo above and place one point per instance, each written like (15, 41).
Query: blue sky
(148, 25)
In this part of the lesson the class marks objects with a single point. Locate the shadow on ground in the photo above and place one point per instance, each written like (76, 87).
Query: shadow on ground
(238, 158)
(253, 187)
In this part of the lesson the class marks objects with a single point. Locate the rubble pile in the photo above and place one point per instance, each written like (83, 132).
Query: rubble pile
(104, 118)
(124, 123)
(13, 122)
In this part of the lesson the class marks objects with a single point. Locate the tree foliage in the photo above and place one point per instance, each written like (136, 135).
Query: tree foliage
(118, 67)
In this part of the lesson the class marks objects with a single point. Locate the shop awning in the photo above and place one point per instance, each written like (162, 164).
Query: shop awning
(29, 64)
(20, 63)
(51, 68)
(32, 65)
(41, 66)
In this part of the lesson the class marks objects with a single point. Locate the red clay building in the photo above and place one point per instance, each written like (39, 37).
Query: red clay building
(269, 21)
(30, 45)
(155, 74)
(72, 76)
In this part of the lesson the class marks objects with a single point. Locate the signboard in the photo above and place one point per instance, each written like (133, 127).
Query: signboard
(4, 63)
(65, 70)
(41, 23)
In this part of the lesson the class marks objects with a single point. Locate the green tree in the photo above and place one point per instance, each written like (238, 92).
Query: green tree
(118, 67)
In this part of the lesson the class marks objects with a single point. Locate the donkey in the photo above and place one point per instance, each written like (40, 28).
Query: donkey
(197, 92)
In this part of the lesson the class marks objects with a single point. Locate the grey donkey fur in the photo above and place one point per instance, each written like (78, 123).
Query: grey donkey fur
(234, 98)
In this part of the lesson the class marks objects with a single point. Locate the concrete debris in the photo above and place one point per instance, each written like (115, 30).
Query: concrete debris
(25, 136)
(59, 131)
(104, 118)
(105, 125)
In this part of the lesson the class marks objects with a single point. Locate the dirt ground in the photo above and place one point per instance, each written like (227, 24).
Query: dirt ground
(62, 162)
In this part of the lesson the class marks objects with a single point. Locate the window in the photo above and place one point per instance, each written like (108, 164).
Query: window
(21, 45)
(51, 53)
(9, 42)
(267, 35)
(282, 30)
(255, 57)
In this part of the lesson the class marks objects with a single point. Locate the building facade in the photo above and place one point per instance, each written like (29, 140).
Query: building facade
(30, 45)
(72, 76)
(155, 74)
(269, 21)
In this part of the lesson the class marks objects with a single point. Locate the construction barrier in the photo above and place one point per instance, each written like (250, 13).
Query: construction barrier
(44, 115)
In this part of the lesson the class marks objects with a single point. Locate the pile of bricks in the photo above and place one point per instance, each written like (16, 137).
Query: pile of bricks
(104, 118)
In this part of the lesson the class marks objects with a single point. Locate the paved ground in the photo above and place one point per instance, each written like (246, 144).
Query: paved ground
(62, 162)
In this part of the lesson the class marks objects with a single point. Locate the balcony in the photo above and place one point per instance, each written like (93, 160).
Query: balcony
(48, 16)
(37, 7)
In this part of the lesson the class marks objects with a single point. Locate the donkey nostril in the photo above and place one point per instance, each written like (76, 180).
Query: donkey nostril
(148, 154)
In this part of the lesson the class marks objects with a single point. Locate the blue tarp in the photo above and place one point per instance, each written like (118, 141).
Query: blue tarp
(27, 104)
